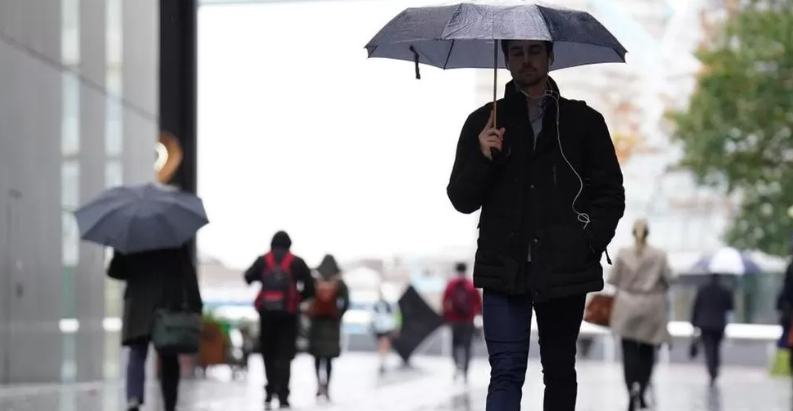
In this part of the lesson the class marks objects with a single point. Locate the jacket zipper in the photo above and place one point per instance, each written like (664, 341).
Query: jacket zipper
(554, 176)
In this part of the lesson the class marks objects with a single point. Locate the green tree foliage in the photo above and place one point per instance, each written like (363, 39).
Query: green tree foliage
(738, 129)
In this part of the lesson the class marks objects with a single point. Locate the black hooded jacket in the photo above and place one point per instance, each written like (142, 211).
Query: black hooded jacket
(526, 197)
(300, 272)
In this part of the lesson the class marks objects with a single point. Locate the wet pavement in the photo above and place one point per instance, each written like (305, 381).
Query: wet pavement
(675, 388)
(427, 387)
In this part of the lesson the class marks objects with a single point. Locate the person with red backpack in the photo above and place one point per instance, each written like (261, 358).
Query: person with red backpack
(331, 300)
(461, 304)
(285, 282)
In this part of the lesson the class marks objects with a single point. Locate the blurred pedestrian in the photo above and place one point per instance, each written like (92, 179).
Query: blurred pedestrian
(547, 179)
(281, 274)
(461, 305)
(712, 304)
(155, 280)
(784, 306)
(331, 301)
(640, 316)
(385, 326)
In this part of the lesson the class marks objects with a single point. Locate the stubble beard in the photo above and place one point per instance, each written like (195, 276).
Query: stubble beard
(527, 85)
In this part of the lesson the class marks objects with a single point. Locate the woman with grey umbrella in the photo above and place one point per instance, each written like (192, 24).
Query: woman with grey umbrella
(155, 280)
(331, 301)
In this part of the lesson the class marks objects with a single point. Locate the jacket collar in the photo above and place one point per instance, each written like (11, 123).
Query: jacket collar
(517, 104)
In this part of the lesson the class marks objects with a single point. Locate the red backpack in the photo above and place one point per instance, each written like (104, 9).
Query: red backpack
(461, 300)
(326, 304)
(278, 293)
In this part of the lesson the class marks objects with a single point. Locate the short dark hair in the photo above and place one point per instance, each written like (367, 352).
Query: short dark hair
(505, 46)
(460, 267)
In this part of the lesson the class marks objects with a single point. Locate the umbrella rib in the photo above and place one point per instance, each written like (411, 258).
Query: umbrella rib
(193, 215)
(164, 221)
(112, 212)
(545, 20)
(132, 221)
(449, 56)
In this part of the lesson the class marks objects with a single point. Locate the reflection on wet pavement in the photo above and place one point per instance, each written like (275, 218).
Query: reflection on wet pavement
(428, 387)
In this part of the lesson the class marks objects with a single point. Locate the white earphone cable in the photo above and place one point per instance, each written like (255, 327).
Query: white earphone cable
(549, 92)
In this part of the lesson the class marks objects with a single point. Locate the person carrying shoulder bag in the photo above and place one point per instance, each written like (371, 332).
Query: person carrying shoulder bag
(162, 304)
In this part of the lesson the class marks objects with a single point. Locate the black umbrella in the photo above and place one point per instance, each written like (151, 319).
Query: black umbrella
(419, 320)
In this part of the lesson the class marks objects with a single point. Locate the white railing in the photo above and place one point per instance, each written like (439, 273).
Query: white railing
(761, 333)
(678, 329)
(683, 329)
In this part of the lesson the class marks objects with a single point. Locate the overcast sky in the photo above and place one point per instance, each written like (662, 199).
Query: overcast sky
(299, 131)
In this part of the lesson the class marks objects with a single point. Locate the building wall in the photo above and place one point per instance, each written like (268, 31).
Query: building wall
(77, 114)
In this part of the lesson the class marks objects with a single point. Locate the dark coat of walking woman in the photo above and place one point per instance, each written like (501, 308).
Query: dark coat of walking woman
(330, 303)
(784, 306)
(154, 280)
(712, 305)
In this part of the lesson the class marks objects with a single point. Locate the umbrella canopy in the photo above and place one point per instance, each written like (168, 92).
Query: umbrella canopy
(141, 218)
(419, 320)
(465, 35)
(728, 261)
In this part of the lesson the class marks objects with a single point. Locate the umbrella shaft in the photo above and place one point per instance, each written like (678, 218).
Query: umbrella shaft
(495, 80)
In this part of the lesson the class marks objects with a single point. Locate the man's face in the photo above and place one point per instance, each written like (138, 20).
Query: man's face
(528, 61)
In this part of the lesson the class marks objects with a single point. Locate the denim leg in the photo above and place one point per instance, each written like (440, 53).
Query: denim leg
(507, 328)
(136, 370)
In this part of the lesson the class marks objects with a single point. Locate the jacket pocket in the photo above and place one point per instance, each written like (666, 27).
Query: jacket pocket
(567, 249)
(488, 267)
(493, 238)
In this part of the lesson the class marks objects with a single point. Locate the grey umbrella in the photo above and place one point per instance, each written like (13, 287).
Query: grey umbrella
(466, 35)
(141, 218)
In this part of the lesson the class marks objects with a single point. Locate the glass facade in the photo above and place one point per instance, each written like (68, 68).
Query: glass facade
(114, 123)
(70, 168)
(70, 145)
(114, 162)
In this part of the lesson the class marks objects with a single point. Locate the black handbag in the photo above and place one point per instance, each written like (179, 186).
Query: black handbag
(177, 331)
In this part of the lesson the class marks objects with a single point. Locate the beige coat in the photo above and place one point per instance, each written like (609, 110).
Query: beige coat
(641, 307)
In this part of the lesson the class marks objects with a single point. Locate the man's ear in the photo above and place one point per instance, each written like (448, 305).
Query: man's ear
(550, 60)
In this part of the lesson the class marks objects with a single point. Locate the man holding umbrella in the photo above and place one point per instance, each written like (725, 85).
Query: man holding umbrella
(542, 169)
(549, 185)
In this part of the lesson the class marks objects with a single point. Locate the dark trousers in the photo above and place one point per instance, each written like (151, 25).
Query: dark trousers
(136, 374)
(638, 361)
(279, 344)
(711, 343)
(462, 338)
(323, 364)
(507, 327)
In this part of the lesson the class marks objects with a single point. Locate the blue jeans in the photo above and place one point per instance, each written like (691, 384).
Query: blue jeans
(507, 327)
